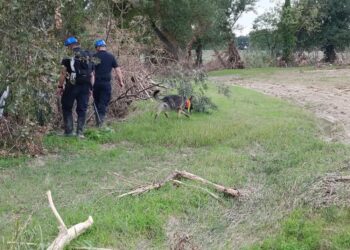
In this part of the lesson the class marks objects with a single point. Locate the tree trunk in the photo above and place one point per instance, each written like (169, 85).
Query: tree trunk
(199, 53)
(189, 49)
(329, 53)
(234, 59)
(171, 48)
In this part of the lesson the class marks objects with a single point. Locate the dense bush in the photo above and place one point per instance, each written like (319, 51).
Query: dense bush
(29, 58)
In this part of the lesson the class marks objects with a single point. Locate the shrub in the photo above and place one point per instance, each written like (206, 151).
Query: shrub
(190, 82)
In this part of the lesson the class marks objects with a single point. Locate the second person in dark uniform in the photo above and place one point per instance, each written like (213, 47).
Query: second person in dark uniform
(106, 64)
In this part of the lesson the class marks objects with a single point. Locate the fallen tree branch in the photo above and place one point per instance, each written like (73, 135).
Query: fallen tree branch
(62, 226)
(150, 187)
(65, 236)
(342, 178)
(125, 94)
(229, 191)
(183, 174)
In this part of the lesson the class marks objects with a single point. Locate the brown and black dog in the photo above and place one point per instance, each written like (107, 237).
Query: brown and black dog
(173, 102)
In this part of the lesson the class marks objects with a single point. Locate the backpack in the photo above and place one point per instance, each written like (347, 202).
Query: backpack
(82, 67)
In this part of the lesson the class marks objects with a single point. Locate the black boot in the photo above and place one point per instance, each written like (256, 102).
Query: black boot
(80, 127)
(68, 124)
(99, 120)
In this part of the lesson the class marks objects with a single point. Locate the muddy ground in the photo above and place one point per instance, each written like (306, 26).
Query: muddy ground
(325, 92)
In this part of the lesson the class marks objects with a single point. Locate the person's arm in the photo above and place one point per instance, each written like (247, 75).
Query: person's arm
(119, 74)
(61, 80)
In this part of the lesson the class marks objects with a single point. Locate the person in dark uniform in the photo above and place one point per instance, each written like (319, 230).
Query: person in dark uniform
(75, 84)
(106, 63)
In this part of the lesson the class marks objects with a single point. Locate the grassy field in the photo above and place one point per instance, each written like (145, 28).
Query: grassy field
(267, 148)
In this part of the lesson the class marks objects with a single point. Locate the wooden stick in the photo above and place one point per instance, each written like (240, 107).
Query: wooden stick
(141, 190)
(229, 191)
(342, 178)
(62, 226)
(65, 236)
(144, 189)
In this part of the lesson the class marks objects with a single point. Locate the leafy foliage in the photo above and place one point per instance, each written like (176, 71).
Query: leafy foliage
(287, 29)
(191, 83)
(334, 19)
(265, 35)
(29, 56)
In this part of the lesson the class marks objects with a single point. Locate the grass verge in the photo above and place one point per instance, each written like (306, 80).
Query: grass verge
(267, 148)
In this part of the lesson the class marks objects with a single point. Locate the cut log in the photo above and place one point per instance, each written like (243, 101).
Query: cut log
(65, 236)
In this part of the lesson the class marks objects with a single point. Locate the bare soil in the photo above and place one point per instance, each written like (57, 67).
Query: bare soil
(324, 92)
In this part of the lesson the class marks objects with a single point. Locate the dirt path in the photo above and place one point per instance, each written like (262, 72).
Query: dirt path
(324, 92)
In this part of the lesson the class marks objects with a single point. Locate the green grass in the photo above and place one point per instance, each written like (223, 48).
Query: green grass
(305, 229)
(268, 148)
(8, 162)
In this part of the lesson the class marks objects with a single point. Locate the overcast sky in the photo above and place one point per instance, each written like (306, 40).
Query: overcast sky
(247, 19)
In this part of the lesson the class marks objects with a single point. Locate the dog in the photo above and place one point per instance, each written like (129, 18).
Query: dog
(173, 102)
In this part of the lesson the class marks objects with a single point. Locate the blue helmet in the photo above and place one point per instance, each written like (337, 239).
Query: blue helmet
(70, 40)
(100, 43)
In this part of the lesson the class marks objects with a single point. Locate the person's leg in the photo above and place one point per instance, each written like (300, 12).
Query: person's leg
(82, 105)
(104, 99)
(67, 102)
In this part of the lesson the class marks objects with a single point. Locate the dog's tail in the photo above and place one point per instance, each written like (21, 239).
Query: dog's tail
(156, 94)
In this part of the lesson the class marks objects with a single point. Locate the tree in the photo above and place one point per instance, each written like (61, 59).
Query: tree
(182, 25)
(334, 17)
(287, 29)
(265, 32)
(307, 25)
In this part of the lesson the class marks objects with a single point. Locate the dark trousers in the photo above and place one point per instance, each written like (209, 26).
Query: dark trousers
(102, 96)
(80, 94)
